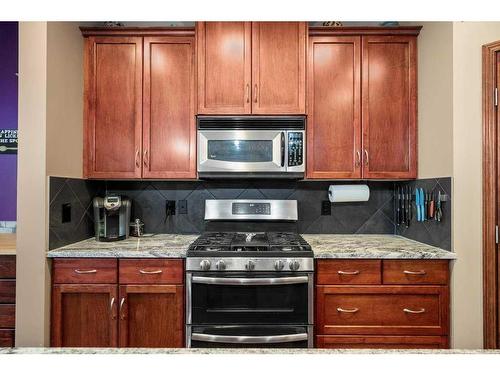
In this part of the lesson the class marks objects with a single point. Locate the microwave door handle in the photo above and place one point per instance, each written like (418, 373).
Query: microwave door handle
(282, 149)
(250, 281)
(248, 339)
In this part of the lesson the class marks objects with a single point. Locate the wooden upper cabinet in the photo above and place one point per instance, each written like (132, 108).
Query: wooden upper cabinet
(278, 67)
(113, 107)
(169, 132)
(224, 67)
(389, 106)
(334, 107)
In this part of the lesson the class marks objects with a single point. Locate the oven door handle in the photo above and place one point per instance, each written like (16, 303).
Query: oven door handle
(282, 149)
(249, 339)
(250, 281)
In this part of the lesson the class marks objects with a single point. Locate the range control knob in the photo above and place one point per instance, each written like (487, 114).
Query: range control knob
(205, 265)
(278, 265)
(220, 265)
(294, 265)
(250, 266)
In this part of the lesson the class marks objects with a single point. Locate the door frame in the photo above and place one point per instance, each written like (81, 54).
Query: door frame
(490, 200)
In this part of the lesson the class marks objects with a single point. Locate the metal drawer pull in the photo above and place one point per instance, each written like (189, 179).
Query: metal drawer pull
(421, 272)
(340, 309)
(121, 308)
(85, 271)
(421, 311)
(250, 281)
(112, 303)
(358, 158)
(144, 272)
(348, 272)
(248, 339)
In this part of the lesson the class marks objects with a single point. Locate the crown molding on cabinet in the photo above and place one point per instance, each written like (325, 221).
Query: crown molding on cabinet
(363, 30)
(137, 31)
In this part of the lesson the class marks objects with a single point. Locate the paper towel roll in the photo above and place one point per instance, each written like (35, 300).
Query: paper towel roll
(348, 193)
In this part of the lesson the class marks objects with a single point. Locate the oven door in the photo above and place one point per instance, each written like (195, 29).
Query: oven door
(257, 336)
(240, 298)
(242, 151)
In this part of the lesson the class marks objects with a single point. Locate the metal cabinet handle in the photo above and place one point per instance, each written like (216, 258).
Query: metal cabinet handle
(85, 271)
(366, 158)
(122, 316)
(111, 305)
(146, 160)
(358, 158)
(414, 311)
(247, 95)
(348, 272)
(255, 93)
(248, 339)
(421, 272)
(340, 309)
(144, 272)
(137, 161)
(250, 281)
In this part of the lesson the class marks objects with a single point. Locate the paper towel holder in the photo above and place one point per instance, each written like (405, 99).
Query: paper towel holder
(348, 193)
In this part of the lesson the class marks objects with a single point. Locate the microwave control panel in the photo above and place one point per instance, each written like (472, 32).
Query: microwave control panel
(295, 148)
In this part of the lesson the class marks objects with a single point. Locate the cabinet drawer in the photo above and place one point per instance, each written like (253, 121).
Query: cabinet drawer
(7, 291)
(151, 271)
(346, 271)
(7, 266)
(86, 271)
(371, 310)
(381, 342)
(7, 316)
(6, 338)
(415, 272)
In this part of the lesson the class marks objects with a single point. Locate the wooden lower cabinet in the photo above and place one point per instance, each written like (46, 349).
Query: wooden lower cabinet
(7, 300)
(381, 342)
(151, 316)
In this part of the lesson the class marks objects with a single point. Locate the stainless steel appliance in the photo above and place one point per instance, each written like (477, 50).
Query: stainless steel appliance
(111, 218)
(251, 146)
(249, 289)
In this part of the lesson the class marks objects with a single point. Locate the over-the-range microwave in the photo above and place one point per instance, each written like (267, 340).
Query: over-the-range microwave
(251, 146)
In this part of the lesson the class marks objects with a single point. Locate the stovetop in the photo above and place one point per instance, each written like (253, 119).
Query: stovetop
(245, 244)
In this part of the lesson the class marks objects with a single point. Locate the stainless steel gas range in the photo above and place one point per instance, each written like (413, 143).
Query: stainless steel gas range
(250, 289)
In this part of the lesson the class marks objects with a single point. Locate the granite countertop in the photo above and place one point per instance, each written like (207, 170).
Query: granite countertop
(238, 351)
(7, 244)
(324, 246)
(148, 246)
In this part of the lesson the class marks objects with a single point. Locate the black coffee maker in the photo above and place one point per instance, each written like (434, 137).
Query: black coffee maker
(111, 218)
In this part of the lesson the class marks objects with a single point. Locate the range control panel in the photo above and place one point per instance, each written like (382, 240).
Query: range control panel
(295, 148)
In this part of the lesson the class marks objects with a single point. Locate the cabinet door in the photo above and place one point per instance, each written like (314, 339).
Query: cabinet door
(389, 106)
(169, 133)
(84, 315)
(113, 107)
(334, 107)
(278, 67)
(151, 316)
(224, 67)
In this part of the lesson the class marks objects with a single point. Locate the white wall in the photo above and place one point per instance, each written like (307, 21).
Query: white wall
(468, 37)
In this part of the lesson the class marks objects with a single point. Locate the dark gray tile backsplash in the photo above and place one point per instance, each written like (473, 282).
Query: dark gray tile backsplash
(149, 200)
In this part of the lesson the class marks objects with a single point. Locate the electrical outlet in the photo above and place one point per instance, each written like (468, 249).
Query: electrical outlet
(326, 208)
(183, 207)
(170, 208)
(66, 213)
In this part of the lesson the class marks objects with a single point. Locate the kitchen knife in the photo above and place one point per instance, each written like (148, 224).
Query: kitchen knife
(410, 203)
(424, 204)
(417, 203)
(398, 208)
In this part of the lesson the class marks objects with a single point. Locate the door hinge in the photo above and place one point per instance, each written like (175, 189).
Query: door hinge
(496, 233)
(495, 96)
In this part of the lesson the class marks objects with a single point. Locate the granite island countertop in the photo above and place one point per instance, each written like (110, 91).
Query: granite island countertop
(335, 246)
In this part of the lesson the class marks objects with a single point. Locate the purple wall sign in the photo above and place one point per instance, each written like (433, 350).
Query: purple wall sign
(8, 117)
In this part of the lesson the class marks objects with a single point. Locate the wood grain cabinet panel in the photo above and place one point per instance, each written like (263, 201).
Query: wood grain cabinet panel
(7, 266)
(334, 107)
(415, 272)
(347, 271)
(278, 67)
(7, 291)
(151, 316)
(85, 271)
(84, 315)
(169, 132)
(6, 338)
(389, 106)
(7, 316)
(372, 310)
(381, 342)
(113, 107)
(224, 67)
(151, 271)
